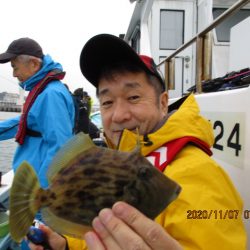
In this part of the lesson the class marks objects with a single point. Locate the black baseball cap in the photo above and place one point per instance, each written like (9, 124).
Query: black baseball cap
(22, 46)
(106, 49)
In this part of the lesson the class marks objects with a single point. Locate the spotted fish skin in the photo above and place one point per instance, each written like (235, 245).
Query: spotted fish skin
(101, 177)
(96, 178)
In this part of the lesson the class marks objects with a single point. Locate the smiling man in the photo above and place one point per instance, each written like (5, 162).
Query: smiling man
(123, 99)
(132, 95)
(176, 139)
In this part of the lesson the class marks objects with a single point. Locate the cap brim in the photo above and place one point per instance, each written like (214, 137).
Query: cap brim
(6, 57)
(105, 49)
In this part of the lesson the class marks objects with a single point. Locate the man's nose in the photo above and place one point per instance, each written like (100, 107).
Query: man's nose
(121, 113)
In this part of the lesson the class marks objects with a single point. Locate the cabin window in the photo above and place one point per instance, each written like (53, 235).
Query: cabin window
(171, 29)
(223, 29)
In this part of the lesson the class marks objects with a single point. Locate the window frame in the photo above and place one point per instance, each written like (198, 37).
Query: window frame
(183, 27)
(216, 41)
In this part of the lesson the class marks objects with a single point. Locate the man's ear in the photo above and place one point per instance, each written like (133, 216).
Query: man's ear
(164, 103)
(36, 64)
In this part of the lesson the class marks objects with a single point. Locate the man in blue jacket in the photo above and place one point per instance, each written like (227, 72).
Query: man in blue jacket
(47, 118)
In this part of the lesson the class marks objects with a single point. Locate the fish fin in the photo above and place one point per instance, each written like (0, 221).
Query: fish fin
(23, 208)
(63, 226)
(73, 147)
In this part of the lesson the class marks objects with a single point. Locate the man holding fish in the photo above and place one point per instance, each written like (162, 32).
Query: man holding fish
(176, 139)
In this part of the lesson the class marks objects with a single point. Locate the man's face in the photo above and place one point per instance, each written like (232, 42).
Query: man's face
(23, 70)
(129, 101)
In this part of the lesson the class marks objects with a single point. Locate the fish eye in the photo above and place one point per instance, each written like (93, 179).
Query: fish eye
(144, 173)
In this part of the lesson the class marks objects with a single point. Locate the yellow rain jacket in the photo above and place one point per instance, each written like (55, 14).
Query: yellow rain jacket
(201, 217)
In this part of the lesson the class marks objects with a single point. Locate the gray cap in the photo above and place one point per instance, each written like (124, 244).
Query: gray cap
(22, 46)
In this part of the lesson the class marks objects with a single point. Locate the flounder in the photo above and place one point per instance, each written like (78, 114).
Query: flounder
(83, 179)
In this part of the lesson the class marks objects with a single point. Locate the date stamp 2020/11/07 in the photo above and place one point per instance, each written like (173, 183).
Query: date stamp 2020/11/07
(216, 214)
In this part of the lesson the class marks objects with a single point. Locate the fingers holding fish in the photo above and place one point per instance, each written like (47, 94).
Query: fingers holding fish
(100, 239)
(151, 233)
(93, 241)
(55, 240)
(115, 234)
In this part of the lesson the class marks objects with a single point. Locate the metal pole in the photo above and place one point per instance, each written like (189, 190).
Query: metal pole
(172, 74)
(167, 75)
(207, 60)
(199, 63)
(234, 8)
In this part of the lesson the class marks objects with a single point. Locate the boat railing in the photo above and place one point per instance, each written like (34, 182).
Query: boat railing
(203, 42)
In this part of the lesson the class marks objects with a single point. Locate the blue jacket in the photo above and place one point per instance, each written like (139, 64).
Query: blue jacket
(52, 114)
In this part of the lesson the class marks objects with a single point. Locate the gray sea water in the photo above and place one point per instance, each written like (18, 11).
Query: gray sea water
(7, 147)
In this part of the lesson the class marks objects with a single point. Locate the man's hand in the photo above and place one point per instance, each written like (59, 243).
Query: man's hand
(55, 240)
(124, 227)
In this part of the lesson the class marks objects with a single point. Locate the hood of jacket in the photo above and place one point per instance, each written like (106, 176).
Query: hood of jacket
(184, 121)
(47, 66)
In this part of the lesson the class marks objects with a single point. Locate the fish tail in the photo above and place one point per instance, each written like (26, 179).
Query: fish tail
(23, 205)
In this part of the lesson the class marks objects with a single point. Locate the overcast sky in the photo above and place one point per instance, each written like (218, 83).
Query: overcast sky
(61, 27)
